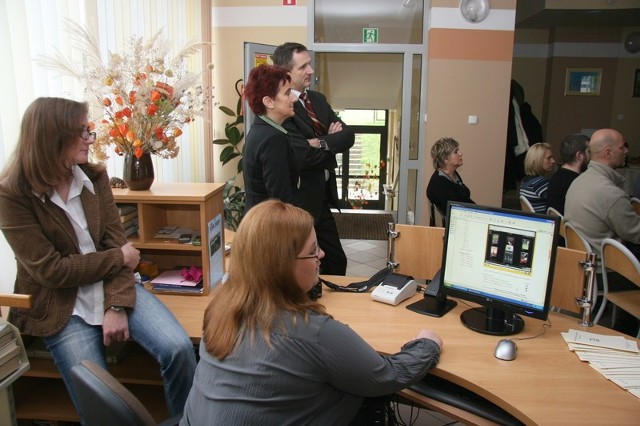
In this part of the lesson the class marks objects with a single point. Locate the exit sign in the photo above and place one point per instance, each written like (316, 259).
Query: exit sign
(288, 2)
(370, 35)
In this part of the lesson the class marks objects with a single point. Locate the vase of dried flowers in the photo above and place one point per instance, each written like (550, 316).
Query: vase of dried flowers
(138, 171)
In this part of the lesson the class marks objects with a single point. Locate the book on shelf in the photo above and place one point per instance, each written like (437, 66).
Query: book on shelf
(131, 227)
(171, 232)
(128, 216)
(124, 209)
(174, 281)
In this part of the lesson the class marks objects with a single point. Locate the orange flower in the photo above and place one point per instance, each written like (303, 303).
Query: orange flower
(126, 112)
(106, 102)
(152, 109)
(123, 129)
(155, 96)
(119, 100)
(132, 97)
(138, 152)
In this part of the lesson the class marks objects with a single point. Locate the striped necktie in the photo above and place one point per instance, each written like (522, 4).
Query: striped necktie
(317, 125)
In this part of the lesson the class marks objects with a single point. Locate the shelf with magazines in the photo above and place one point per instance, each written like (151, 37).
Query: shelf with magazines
(177, 225)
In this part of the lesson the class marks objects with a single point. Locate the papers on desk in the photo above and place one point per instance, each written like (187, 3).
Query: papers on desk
(616, 358)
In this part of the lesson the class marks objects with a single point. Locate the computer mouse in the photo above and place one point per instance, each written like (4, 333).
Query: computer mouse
(506, 350)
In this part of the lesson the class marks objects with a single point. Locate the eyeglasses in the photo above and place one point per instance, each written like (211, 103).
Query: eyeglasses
(315, 256)
(86, 134)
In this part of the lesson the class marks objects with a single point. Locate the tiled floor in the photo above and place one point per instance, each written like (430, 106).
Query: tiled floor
(365, 258)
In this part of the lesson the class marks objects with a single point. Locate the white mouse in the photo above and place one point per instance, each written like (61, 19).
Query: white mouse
(506, 350)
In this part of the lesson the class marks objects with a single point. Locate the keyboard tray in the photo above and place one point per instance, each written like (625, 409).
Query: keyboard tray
(442, 390)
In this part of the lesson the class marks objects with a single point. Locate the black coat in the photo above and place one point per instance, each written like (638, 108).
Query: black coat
(312, 162)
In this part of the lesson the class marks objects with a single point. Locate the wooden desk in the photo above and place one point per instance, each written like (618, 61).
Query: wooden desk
(545, 384)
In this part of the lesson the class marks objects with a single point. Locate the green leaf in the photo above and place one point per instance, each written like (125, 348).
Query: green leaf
(240, 165)
(221, 141)
(227, 155)
(227, 110)
(233, 134)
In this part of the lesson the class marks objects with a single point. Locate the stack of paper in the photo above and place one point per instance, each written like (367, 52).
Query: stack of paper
(177, 281)
(616, 358)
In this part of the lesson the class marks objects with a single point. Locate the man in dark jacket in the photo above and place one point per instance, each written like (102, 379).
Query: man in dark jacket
(317, 135)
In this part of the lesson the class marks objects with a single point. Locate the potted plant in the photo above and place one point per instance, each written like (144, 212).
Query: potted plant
(234, 195)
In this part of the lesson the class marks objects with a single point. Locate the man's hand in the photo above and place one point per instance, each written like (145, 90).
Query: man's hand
(334, 128)
(115, 327)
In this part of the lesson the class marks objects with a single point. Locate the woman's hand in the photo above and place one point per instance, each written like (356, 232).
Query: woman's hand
(131, 255)
(115, 327)
(428, 334)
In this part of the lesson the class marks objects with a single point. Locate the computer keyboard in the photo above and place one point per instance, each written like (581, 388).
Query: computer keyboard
(442, 390)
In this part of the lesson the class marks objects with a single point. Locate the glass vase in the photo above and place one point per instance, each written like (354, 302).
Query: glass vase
(138, 172)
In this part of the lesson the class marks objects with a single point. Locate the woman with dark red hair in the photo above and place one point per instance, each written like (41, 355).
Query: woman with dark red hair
(269, 169)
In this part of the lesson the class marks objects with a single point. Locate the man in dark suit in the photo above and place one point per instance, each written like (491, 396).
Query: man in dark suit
(317, 135)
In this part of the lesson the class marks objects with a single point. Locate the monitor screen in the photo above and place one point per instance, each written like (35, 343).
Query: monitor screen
(501, 259)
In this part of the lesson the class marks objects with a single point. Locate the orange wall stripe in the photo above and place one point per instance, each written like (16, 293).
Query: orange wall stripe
(483, 45)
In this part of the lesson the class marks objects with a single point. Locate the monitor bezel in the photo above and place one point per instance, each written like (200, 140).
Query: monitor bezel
(509, 308)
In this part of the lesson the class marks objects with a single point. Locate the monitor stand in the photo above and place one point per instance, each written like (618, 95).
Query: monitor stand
(435, 306)
(492, 321)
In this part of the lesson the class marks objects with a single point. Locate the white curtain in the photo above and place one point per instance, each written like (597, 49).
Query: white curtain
(32, 28)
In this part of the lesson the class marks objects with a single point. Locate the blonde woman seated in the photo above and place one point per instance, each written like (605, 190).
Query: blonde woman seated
(270, 355)
(445, 183)
(539, 165)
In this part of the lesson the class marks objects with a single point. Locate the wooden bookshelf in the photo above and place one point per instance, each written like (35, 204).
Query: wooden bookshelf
(186, 205)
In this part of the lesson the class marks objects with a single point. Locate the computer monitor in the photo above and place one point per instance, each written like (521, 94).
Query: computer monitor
(501, 259)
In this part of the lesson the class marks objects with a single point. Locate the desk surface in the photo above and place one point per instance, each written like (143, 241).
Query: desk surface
(545, 384)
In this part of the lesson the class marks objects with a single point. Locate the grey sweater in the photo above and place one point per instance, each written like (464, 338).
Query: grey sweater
(598, 207)
(316, 374)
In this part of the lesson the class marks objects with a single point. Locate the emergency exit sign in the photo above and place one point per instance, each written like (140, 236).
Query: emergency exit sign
(370, 35)
(288, 2)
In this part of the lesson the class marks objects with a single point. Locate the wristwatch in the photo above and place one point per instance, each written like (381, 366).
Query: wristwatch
(323, 144)
(117, 308)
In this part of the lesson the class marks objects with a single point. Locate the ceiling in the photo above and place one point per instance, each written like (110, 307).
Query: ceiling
(550, 18)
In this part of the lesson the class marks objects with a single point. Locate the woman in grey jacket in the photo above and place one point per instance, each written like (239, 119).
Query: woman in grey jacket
(272, 356)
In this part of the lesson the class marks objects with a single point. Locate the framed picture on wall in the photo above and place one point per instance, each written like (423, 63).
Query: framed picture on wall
(583, 82)
(636, 84)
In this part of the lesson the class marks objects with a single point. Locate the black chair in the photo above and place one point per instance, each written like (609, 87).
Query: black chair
(432, 220)
(105, 401)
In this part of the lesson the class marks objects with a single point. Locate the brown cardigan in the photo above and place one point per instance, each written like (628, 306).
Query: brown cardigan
(50, 266)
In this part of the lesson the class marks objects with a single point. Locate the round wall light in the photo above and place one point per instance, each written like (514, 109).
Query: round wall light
(632, 42)
(474, 10)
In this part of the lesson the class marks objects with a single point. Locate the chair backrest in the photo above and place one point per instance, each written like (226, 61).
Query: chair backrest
(105, 401)
(553, 212)
(616, 257)
(574, 240)
(435, 213)
(635, 203)
(525, 205)
(418, 250)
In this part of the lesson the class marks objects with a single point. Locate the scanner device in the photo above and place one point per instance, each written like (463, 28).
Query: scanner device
(394, 288)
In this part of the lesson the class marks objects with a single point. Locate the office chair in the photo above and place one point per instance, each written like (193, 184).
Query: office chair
(617, 258)
(525, 205)
(553, 212)
(104, 401)
(432, 220)
(573, 239)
